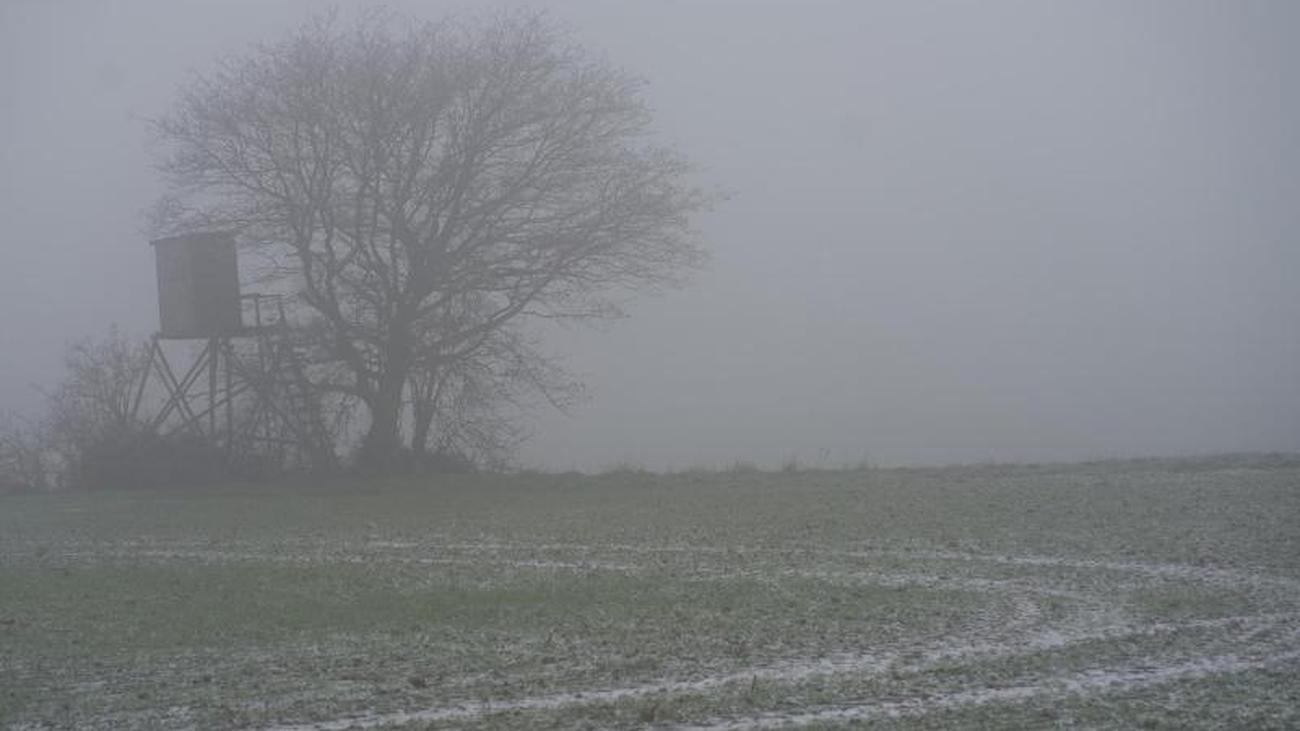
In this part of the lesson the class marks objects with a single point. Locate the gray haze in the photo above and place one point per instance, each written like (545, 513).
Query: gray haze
(958, 231)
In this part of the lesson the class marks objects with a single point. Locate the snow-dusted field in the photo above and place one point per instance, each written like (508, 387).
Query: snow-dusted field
(1157, 594)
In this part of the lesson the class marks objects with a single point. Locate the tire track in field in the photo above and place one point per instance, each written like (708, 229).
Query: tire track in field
(1026, 594)
(1020, 606)
(363, 551)
(1210, 575)
(1075, 684)
(1024, 598)
(1244, 629)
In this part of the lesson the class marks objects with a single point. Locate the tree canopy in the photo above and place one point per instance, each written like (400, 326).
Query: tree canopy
(423, 190)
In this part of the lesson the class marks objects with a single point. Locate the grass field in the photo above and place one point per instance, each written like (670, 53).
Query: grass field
(1148, 594)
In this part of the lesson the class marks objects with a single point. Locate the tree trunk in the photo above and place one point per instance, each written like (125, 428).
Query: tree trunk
(382, 448)
(426, 388)
(420, 429)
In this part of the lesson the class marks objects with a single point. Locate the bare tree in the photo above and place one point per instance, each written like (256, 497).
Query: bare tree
(90, 419)
(425, 187)
(95, 397)
(89, 426)
(24, 456)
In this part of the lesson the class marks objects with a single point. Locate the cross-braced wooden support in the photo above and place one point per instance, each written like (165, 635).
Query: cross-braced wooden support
(253, 401)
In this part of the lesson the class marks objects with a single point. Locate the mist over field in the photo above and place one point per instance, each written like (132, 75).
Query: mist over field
(1013, 231)
(707, 365)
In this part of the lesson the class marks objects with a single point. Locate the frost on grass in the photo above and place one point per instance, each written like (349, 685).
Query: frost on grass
(717, 601)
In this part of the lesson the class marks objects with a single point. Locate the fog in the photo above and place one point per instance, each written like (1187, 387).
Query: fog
(955, 232)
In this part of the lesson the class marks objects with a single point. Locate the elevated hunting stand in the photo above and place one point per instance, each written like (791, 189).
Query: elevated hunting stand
(246, 389)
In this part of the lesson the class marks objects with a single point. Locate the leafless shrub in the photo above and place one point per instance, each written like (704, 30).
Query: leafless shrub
(25, 461)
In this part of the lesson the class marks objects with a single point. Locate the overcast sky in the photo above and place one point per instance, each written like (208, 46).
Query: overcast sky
(959, 231)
